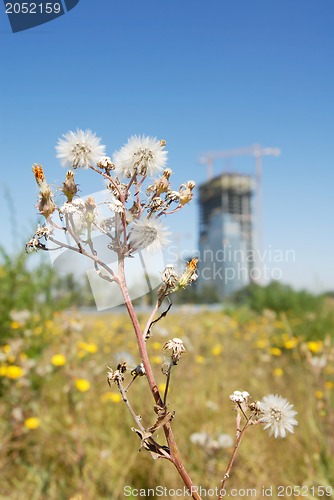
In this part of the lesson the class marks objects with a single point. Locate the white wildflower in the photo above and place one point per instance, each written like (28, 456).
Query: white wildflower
(319, 362)
(142, 155)
(225, 441)
(277, 415)
(79, 149)
(149, 234)
(21, 316)
(200, 438)
(211, 405)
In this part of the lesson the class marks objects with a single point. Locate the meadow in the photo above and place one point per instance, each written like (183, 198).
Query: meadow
(65, 434)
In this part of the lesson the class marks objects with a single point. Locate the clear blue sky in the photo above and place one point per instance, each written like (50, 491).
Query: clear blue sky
(202, 75)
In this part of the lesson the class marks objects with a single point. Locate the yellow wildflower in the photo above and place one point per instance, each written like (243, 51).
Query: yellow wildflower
(275, 351)
(82, 384)
(314, 346)
(329, 384)
(278, 372)
(14, 372)
(217, 350)
(115, 397)
(15, 325)
(162, 387)
(199, 359)
(157, 360)
(32, 423)
(261, 343)
(319, 394)
(291, 343)
(88, 347)
(58, 360)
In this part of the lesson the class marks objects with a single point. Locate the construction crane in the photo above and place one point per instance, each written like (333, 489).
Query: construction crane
(257, 152)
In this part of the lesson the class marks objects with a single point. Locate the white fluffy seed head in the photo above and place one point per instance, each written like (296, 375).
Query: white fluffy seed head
(79, 149)
(142, 155)
(277, 415)
(149, 234)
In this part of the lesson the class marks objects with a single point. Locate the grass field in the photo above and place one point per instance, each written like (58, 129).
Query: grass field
(64, 434)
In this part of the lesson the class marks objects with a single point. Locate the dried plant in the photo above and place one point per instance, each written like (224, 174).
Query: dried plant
(133, 223)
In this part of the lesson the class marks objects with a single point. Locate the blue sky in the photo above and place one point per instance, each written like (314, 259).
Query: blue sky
(202, 75)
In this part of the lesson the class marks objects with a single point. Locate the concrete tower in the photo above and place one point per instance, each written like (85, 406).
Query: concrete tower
(225, 239)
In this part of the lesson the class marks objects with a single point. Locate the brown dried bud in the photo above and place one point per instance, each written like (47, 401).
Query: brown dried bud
(46, 204)
(70, 188)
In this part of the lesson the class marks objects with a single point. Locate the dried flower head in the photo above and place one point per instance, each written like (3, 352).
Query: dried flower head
(116, 375)
(240, 397)
(106, 163)
(79, 149)
(155, 204)
(43, 232)
(169, 276)
(160, 185)
(186, 193)
(141, 155)
(169, 282)
(33, 245)
(189, 275)
(177, 347)
(277, 415)
(172, 196)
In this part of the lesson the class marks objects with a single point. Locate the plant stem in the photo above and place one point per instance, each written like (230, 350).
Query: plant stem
(126, 401)
(167, 384)
(175, 456)
(230, 464)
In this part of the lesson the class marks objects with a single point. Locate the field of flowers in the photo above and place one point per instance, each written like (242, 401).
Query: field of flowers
(65, 434)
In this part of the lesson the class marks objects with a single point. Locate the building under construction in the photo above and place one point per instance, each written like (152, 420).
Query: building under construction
(225, 239)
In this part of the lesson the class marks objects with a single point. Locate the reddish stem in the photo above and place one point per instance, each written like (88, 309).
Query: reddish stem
(175, 456)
